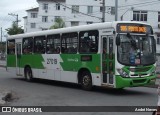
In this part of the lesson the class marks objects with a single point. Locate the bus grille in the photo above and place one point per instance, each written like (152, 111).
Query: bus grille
(140, 69)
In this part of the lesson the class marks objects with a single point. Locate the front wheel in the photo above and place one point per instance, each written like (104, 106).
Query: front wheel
(28, 74)
(86, 80)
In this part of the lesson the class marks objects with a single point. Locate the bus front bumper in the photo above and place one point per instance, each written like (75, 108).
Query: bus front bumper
(134, 82)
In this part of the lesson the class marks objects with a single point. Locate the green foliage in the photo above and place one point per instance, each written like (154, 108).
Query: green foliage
(59, 23)
(14, 29)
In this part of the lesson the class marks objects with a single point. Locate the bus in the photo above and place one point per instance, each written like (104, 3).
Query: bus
(115, 54)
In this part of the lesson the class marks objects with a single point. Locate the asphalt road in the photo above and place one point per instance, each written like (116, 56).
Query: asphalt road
(50, 93)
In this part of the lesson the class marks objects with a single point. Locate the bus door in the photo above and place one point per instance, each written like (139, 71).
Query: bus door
(18, 57)
(108, 60)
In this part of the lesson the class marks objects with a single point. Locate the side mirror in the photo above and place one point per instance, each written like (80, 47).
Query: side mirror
(154, 44)
(118, 40)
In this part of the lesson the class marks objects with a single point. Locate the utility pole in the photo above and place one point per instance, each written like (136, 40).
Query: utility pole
(1, 35)
(1, 41)
(103, 11)
(116, 10)
(16, 17)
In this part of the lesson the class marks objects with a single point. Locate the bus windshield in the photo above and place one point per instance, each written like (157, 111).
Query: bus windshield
(136, 50)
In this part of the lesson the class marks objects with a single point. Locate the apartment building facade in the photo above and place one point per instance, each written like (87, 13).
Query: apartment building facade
(82, 12)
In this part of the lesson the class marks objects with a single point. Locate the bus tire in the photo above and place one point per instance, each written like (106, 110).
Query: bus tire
(86, 80)
(28, 74)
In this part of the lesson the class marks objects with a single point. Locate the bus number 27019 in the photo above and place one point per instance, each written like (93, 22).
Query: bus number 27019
(51, 61)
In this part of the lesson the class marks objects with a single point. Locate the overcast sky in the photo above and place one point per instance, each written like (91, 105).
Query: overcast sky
(15, 7)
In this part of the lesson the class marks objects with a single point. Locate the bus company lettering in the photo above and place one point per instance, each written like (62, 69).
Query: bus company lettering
(73, 60)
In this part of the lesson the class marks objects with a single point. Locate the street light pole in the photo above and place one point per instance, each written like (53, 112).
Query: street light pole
(126, 12)
(116, 10)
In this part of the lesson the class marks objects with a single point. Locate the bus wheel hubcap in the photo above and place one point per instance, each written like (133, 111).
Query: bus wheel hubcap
(28, 75)
(86, 80)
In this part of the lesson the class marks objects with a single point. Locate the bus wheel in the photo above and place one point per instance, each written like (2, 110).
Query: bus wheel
(28, 74)
(86, 80)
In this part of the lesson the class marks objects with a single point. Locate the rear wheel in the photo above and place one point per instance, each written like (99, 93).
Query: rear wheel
(86, 80)
(28, 74)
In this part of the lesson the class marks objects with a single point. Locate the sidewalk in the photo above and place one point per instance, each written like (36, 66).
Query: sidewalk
(2, 63)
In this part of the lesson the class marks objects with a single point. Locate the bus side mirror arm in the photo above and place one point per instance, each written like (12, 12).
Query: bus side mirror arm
(118, 40)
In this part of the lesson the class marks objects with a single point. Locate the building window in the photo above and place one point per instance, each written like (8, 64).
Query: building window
(112, 10)
(44, 18)
(33, 15)
(33, 25)
(158, 16)
(75, 9)
(56, 17)
(90, 9)
(74, 23)
(45, 6)
(58, 6)
(158, 39)
(89, 22)
(101, 9)
(140, 15)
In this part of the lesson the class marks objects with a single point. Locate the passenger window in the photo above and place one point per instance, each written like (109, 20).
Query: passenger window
(11, 47)
(39, 44)
(69, 43)
(27, 45)
(53, 44)
(88, 41)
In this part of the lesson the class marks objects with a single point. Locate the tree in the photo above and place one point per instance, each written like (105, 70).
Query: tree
(2, 47)
(59, 23)
(14, 29)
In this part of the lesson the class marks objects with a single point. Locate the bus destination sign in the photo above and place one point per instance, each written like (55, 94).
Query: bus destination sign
(133, 28)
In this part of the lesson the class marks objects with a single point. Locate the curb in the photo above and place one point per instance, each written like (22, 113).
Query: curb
(3, 66)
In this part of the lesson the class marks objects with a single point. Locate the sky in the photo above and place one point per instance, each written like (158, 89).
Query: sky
(15, 7)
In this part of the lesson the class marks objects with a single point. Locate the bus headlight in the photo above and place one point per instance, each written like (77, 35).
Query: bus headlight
(122, 73)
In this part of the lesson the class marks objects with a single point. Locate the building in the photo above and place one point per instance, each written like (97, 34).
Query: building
(30, 20)
(73, 13)
(43, 17)
(81, 12)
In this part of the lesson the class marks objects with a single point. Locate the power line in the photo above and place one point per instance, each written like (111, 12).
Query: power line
(4, 22)
(142, 5)
(16, 17)
(79, 11)
(137, 4)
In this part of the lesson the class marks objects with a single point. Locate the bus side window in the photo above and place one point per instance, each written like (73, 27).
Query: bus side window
(88, 41)
(11, 47)
(53, 44)
(39, 44)
(27, 45)
(69, 43)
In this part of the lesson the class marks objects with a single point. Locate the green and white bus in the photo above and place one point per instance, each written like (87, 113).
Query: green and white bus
(112, 54)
